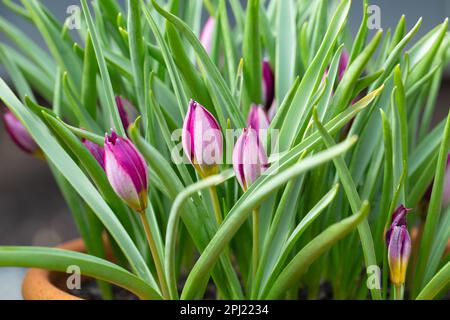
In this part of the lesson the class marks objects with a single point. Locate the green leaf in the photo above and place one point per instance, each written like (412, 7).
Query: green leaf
(435, 286)
(252, 56)
(174, 217)
(434, 209)
(354, 200)
(286, 49)
(210, 68)
(61, 260)
(106, 80)
(174, 77)
(89, 79)
(61, 50)
(62, 161)
(343, 97)
(289, 245)
(361, 36)
(292, 126)
(290, 276)
(240, 212)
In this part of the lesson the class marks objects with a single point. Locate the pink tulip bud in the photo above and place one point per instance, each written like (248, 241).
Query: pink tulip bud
(249, 158)
(202, 140)
(126, 171)
(268, 85)
(343, 64)
(399, 246)
(123, 113)
(97, 152)
(19, 134)
(207, 34)
(258, 120)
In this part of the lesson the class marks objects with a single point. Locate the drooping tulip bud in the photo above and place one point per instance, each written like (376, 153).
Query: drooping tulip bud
(399, 246)
(126, 171)
(206, 34)
(258, 120)
(202, 140)
(98, 152)
(249, 158)
(268, 85)
(19, 134)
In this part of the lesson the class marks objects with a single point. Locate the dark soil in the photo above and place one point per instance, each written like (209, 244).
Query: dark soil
(90, 291)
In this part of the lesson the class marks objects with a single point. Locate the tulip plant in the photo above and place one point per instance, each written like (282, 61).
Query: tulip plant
(267, 153)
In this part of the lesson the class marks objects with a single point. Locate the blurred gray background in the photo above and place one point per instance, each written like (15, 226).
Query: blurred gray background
(31, 208)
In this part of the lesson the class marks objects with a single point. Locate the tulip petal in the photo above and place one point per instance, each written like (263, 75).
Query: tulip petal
(19, 134)
(121, 182)
(268, 84)
(238, 165)
(127, 171)
(202, 139)
(207, 34)
(97, 152)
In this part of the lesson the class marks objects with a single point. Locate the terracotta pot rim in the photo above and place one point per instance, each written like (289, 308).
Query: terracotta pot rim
(38, 284)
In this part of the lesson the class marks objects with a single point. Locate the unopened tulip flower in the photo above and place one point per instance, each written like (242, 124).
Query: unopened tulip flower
(98, 152)
(207, 34)
(249, 158)
(19, 134)
(343, 64)
(202, 140)
(126, 171)
(123, 111)
(258, 120)
(268, 85)
(399, 246)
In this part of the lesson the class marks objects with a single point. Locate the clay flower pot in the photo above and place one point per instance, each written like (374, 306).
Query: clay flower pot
(41, 284)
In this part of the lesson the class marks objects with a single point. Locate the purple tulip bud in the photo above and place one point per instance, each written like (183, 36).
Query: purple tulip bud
(97, 152)
(207, 34)
(268, 85)
(399, 251)
(202, 139)
(258, 119)
(126, 171)
(249, 158)
(398, 219)
(272, 111)
(343, 64)
(19, 134)
(399, 245)
(122, 111)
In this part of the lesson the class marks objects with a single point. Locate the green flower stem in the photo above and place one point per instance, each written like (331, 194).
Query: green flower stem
(155, 255)
(255, 250)
(398, 291)
(216, 204)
